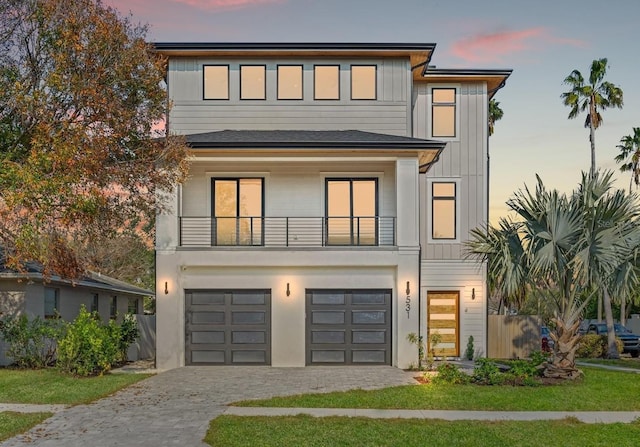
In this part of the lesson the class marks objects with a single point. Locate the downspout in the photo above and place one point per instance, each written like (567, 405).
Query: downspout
(486, 285)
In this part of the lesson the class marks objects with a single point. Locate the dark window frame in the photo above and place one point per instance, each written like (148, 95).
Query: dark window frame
(214, 241)
(301, 98)
(453, 199)
(315, 98)
(95, 302)
(375, 82)
(56, 303)
(135, 303)
(351, 216)
(113, 307)
(264, 98)
(204, 82)
(435, 104)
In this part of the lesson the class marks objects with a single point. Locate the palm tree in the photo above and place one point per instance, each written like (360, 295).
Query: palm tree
(495, 114)
(566, 249)
(595, 96)
(629, 156)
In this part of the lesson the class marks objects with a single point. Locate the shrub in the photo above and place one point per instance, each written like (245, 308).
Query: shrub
(522, 372)
(468, 353)
(486, 372)
(449, 373)
(595, 346)
(128, 334)
(32, 343)
(89, 347)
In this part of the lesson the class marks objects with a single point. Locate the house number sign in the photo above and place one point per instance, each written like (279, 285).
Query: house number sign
(407, 305)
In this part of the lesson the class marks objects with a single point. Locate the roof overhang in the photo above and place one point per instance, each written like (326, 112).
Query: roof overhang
(495, 78)
(302, 143)
(418, 54)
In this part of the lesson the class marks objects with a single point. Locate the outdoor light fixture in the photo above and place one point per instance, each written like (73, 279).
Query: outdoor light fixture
(473, 293)
(166, 288)
(288, 291)
(408, 289)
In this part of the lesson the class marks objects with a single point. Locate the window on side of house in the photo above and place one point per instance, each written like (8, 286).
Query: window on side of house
(51, 302)
(94, 302)
(216, 82)
(113, 307)
(352, 211)
(132, 306)
(289, 81)
(443, 112)
(363, 82)
(443, 210)
(326, 82)
(238, 210)
(253, 82)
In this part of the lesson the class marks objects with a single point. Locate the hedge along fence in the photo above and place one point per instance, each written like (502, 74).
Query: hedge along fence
(83, 347)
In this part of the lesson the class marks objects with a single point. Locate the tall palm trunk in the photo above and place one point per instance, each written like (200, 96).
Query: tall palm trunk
(611, 335)
(592, 134)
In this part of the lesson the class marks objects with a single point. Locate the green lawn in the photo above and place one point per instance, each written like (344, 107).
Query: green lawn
(601, 390)
(12, 423)
(47, 386)
(235, 431)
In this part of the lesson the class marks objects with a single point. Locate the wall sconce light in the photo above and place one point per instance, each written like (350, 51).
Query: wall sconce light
(166, 288)
(473, 293)
(408, 288)
(288, 290)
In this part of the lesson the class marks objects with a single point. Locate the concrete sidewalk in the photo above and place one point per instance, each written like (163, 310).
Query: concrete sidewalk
(32, 408)
(590, 417)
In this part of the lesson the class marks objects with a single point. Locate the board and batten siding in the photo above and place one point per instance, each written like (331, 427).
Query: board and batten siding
(462, 277)
(389, 113)
(464, 159)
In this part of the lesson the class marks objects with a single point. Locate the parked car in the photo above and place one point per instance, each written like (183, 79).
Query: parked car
(546, 342)
(630, 340)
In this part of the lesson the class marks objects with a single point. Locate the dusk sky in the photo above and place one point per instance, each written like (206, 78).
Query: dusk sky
(542, 41)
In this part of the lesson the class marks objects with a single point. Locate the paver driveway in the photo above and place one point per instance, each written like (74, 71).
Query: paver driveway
(174, 408)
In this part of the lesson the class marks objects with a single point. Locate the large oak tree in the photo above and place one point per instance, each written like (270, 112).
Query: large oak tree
(81, 92)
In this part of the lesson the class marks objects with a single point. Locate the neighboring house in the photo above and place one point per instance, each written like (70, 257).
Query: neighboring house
(331, 189)
(30, 294)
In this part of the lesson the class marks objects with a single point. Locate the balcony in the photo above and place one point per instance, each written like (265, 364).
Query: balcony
(295, 232)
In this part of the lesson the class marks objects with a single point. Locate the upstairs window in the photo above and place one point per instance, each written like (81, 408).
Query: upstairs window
(363, 82)
(51, 302)
(326, 82)
(216, 82)
(289, 81)
(443, 113)
(443, 210)
(352, 211)
(237, 210)
(253, 82)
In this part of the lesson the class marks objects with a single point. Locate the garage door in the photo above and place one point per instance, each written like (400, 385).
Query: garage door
(348, 327)
(228, 327)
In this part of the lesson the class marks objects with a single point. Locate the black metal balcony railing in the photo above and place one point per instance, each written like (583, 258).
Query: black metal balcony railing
(287, 231)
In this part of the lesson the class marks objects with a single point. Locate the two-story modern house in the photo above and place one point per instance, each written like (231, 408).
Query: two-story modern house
(332, 187)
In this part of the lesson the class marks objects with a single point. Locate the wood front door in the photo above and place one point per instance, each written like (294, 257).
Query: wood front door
(443, 319)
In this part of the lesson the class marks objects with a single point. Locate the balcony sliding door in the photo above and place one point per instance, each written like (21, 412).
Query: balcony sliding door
(237, 211)
(351, 210)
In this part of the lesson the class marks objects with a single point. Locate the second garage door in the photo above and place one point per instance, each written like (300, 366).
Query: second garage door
(348, 327)
(228, 327)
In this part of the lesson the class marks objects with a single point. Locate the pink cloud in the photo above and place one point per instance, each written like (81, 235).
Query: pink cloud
(492, 47)
(226, 4)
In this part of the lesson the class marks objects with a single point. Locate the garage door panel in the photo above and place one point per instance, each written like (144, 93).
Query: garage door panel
(328, 317)
(234, 330)
(323, 337)
(248, 337)
(348, 327)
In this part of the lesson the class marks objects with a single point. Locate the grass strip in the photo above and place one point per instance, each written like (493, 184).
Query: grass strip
(12, 424)
(237, 431)
(600, 390)
(48, 386)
